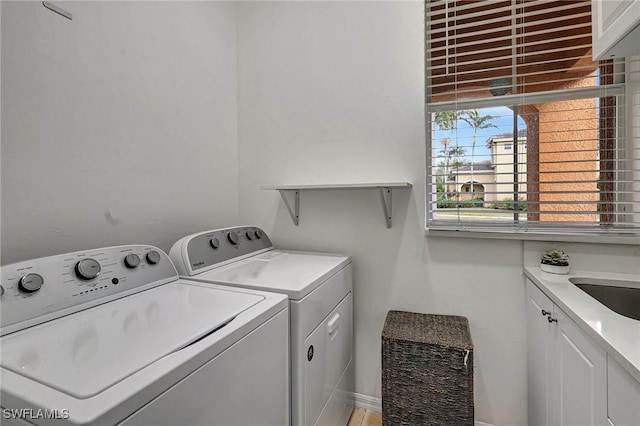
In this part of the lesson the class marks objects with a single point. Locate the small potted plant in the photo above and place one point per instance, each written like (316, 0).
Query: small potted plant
(555, 261)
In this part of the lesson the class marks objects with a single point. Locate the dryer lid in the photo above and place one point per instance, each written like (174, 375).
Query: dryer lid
(293, 273)
(85, 353)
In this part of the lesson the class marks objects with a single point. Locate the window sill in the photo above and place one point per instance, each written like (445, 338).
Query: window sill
(535, 236)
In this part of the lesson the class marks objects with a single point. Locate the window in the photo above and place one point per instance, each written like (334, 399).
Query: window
(527, 133)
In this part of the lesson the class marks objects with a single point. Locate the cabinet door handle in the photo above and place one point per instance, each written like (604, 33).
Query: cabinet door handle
(545, 313)
(551, 319)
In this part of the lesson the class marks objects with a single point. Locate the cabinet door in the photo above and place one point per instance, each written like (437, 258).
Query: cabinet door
(623, 396)
(611, 21)
(539, 355)
(580, 389)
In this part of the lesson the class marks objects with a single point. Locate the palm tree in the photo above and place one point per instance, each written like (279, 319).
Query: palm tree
(456, 153)
(452, 160)
(473, 118)
(445, 142)
(446, 120)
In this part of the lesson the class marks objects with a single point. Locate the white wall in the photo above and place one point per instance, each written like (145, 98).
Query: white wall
(334, 92)
(589, 257)
(100, 116)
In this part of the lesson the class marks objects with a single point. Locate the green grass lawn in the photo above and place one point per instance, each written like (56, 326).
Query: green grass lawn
(478, 213)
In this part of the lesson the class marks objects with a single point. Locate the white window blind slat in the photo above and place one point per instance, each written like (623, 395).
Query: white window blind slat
(524, 99)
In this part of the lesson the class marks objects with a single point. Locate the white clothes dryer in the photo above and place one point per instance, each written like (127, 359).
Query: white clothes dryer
(113, 336)
(319, 286)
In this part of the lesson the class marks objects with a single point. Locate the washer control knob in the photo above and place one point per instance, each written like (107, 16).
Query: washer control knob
(87, 269)
(259, 234)
(30, 283)
(153, 257)
(132, 261)
(214, 243)
(232, 237)
(250, 235)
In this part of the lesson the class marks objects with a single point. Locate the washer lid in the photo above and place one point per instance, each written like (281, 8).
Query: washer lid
(85, 353)
(293, 273)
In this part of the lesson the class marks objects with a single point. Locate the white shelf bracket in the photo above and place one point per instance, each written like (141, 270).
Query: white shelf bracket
(291, 195)
(385, 199)
(295, 210)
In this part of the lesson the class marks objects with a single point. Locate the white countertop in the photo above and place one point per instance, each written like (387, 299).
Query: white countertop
(618, 335)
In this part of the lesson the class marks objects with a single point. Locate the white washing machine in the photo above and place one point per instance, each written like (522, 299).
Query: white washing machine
(113, 336)
(319, 287)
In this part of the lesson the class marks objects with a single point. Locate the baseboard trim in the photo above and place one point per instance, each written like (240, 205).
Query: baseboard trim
(366, 402)
(371, 403)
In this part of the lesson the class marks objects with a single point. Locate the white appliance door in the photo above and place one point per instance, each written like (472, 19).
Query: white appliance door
(329, 349)
(255, 374)
(87, 352)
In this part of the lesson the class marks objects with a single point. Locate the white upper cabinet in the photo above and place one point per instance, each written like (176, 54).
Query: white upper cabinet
(615, 28)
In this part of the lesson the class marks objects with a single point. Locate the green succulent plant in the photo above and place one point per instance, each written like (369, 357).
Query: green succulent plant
(555, 257)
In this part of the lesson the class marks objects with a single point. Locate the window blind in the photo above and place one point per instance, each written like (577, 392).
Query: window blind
(526, 131)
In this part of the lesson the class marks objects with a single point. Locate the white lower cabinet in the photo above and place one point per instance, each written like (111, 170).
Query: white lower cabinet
(567, 372)
(539, 356)
(580, 370)
(624, 396)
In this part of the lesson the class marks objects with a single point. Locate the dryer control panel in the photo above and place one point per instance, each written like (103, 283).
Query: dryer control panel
(43, 289)
(203, 251)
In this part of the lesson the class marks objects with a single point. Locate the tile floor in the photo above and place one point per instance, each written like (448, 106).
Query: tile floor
(360, 417)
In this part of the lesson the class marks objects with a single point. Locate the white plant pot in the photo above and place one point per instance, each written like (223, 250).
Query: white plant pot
(554, 269)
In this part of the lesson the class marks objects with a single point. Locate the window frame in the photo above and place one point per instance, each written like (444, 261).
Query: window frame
(628, 140)
(510, 230)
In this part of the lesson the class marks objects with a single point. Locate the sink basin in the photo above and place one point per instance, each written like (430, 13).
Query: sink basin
(622, 297)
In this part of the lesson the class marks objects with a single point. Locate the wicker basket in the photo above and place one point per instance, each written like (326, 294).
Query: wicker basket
(427, 370)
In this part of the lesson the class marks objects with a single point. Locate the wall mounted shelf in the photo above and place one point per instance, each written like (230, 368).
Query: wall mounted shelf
(291, 195)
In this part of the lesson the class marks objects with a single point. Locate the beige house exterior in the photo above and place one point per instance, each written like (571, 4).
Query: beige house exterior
(492, 180)
(502, 158)
(459, 182)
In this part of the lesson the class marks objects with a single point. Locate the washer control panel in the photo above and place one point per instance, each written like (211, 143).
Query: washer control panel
(40, 290)
(199, 252)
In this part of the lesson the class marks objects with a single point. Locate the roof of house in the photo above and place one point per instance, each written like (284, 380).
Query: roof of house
(522, 135)
(477, 167)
